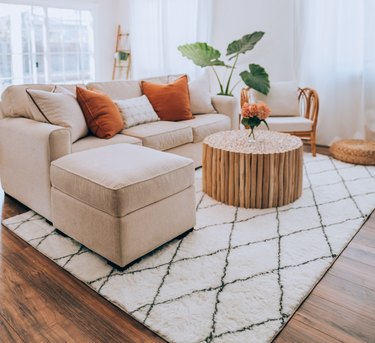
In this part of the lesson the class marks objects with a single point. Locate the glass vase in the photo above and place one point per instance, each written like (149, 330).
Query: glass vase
(251, 136)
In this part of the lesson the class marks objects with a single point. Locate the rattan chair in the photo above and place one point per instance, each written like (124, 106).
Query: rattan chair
(309, 109)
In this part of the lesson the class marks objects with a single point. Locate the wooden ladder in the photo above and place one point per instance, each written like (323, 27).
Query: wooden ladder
(122, 58)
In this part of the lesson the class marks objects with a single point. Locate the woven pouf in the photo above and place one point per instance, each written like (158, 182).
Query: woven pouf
(355, 151)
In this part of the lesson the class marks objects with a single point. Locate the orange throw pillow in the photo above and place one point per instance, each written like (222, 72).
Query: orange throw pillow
(102, 115)
(170, 101)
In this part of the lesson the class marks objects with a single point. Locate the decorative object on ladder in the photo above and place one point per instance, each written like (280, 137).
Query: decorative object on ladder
(122, 58)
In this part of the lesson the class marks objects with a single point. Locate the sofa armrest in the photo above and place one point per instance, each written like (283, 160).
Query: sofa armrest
(27, 148)
(229, 106)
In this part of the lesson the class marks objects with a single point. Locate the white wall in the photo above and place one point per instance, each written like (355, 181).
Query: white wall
(275, 52)
(106, 21)
(123, 15)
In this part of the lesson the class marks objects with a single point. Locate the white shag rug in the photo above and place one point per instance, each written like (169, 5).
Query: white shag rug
(241, 274)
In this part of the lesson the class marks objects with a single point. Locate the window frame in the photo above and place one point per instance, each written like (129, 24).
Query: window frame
(47, 76)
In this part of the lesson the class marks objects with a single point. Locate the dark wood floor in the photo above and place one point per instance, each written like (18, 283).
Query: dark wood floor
(40, 302)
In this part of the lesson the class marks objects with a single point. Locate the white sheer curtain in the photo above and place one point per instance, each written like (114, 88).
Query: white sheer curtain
(157, 27)
(335, 54)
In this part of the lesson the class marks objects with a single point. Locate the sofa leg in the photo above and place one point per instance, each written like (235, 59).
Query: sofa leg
(59, 232)
(121, 269)
(184, 234)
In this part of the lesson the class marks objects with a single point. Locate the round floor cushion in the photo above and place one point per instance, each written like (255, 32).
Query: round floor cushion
(356, 151)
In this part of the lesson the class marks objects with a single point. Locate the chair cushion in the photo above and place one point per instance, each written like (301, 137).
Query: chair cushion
(289, 124)
(282, 99)
(102, 115)
(206, 124)
(121, 178)
(170, 101)
(161, 135)
(92, 142)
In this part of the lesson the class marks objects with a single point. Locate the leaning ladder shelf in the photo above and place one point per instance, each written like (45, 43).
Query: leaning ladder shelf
(122, 58)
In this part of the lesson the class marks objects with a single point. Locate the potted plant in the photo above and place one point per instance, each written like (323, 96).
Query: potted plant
(204, 55)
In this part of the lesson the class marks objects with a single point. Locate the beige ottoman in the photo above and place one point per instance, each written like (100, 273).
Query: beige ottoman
(123, 200)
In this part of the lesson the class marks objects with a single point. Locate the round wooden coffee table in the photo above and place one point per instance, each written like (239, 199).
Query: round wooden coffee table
(261, 174)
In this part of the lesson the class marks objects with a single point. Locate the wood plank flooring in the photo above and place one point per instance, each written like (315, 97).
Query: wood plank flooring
(40, 302)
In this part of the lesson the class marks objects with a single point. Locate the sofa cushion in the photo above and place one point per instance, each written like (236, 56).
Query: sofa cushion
(136, 111)
(1, 111)
(60, 107)
(162, 79)
(15, 102)
(289, 124)
(206, 124)
(282, 98)
(199, 92)
(117, 90)
(121, 178)
(170, 101)
(200, 97)
(92, 142)
(102, 116)
(161, 135)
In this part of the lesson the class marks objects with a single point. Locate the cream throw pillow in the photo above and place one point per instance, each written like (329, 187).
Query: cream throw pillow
(136, 111)
(282, 99)
(60, 107)
(200, 96)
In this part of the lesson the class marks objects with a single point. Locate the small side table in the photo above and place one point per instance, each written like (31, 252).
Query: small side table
(261, 174)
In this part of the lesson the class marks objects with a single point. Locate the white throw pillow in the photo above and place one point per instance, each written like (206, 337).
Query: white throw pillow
(200, 96)
(282, 99)
(60, 107)
(136, 111)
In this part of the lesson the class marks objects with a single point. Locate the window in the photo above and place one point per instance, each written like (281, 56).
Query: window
(45, 45)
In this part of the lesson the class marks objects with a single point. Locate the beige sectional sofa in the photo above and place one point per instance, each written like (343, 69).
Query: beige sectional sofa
(27, 147)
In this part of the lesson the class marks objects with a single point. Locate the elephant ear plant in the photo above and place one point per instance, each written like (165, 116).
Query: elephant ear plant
(204, 55)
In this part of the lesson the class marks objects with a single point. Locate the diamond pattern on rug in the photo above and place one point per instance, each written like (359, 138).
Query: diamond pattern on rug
(240, 275)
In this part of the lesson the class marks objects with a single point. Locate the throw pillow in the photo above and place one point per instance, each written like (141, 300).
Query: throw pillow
(16, 102)
(170, 101)
(102, 115)
(282, 99)
(136, 111)
(60, 107)
(200, 96)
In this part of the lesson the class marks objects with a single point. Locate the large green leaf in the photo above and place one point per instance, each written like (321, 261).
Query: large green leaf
(201, 54)
(256, 78)
(246, 43)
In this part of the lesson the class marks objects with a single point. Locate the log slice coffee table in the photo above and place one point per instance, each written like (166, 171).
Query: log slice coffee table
(261, 174)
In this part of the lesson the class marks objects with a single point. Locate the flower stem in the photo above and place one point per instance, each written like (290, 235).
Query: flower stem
(252, 133)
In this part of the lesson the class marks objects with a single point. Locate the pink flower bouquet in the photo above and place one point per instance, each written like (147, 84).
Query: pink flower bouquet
(253, 115)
